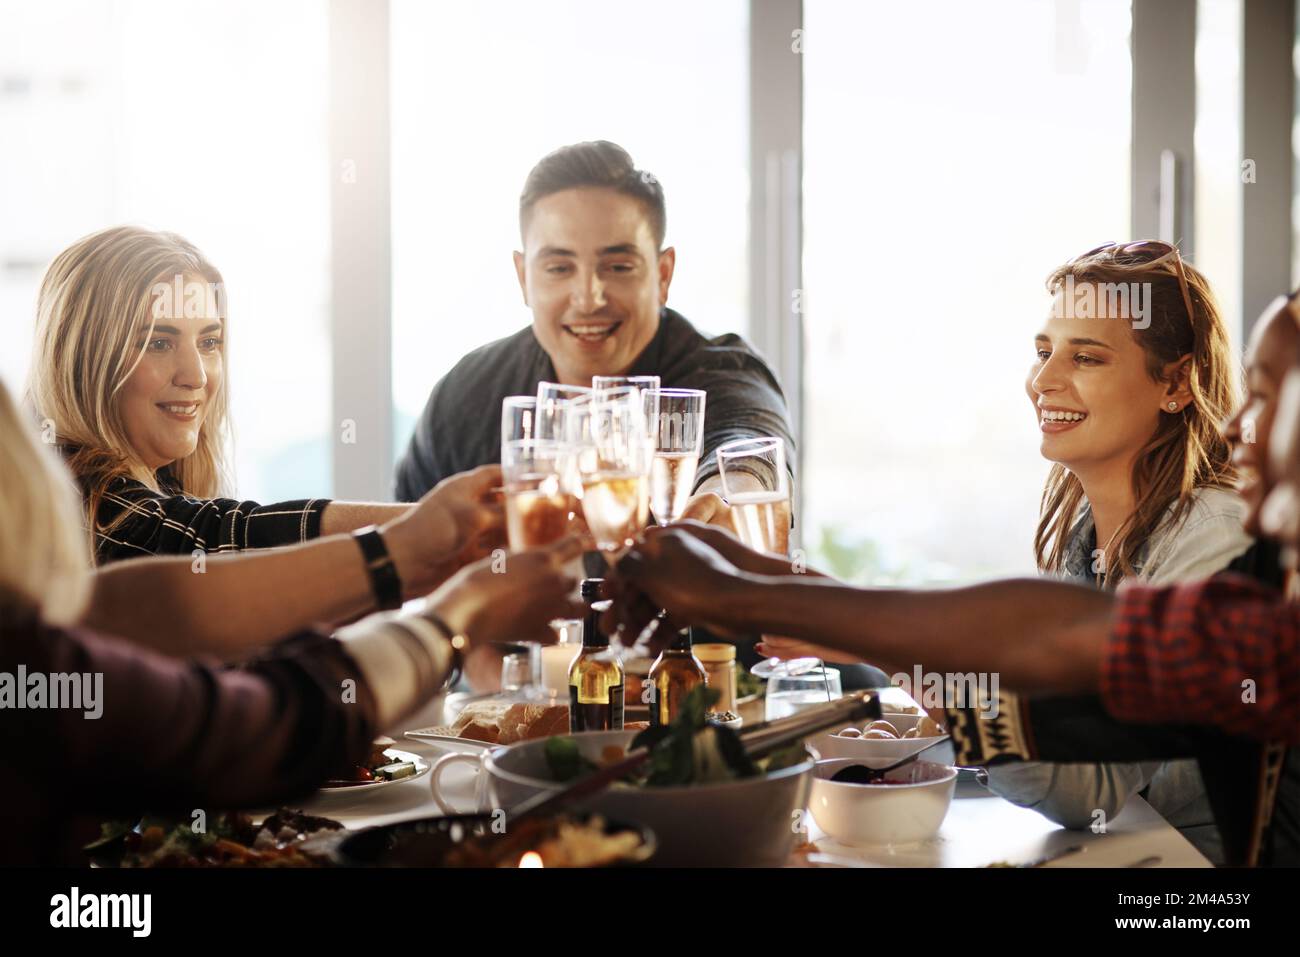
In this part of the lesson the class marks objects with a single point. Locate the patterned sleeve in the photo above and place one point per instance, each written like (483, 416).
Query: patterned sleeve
(168, 732)
(134, 520)
(1225, 650)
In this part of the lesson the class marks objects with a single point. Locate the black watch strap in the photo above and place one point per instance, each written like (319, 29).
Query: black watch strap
(384, 580)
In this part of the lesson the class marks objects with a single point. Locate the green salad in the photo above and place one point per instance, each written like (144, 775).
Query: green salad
(690, 750)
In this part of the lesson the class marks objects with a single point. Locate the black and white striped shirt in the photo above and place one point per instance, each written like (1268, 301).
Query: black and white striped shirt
(134, 520)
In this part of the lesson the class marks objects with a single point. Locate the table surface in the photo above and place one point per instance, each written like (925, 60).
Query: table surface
(980, 828)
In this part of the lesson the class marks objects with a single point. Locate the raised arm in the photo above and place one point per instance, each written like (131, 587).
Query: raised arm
(228, 604)
(1035, 633)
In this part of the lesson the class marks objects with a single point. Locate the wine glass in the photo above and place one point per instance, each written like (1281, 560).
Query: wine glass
(612, 451)
(552, 399)
(756, 487)
(518, 418)
(603, 383)
(541, 506)
(676, 421)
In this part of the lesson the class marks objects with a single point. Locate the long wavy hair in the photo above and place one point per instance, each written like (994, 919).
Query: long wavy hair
(1188, 450)
(44, 558)
(95, 308)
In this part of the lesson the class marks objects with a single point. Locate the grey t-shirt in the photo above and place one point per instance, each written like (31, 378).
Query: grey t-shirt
(460, 427)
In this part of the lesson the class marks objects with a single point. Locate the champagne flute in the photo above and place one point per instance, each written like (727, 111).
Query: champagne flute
(540, 507)
(603, 383)
(756, 487)
(676, 420)
(518, 418)
(552, 400)
(607, 432)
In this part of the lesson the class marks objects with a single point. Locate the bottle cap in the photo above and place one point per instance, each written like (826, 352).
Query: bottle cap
(715, 652)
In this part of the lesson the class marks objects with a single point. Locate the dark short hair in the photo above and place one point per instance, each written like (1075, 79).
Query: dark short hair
(596, 164)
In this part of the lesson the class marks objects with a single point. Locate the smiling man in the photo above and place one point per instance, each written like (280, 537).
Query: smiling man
(595, 273)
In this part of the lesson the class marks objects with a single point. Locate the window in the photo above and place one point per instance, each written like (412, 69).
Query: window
(947, 172)
(207, 119)
(1218, 155)
(669, 85)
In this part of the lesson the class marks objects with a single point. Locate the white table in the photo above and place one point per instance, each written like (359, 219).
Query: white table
(981, 828)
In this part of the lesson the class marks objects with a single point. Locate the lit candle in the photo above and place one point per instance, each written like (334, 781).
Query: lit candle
(556, 659)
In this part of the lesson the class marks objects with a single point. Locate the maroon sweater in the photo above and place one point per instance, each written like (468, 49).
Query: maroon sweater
(173, 736)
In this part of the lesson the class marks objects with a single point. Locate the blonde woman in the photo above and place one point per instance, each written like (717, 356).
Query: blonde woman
(182, 733)
(130, 375)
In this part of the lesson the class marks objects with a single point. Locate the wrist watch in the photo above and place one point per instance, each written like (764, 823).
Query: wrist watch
(458, 641)
(384, 580)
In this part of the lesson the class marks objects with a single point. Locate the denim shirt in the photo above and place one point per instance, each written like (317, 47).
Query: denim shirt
(1203, 542)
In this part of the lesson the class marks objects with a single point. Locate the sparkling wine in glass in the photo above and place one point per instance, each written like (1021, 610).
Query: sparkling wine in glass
(676, 420)
(756, 486)
(540, 508)
(612, 453)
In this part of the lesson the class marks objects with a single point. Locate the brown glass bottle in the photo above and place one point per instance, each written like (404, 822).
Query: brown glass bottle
(596, 676)
(675, 672)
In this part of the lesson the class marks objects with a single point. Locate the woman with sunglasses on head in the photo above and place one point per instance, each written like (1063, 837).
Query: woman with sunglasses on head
(130, 379)
(1133, 374)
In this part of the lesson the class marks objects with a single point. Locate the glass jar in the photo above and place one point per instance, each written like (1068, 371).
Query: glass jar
(719, 661)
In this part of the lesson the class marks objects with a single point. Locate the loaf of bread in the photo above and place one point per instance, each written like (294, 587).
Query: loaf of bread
(503, 723)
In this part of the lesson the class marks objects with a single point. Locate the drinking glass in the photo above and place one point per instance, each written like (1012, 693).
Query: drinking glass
(790, 694)
(612, 451)
(540, 506)
(601, 383)
(517, 671)
(518, 418)
(552, 398)
(756, 487)
(676, 421)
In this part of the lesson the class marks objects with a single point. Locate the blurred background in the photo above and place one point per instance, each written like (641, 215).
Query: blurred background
(872, 192)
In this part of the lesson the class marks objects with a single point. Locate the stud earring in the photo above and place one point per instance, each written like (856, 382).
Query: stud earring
(1173, 406)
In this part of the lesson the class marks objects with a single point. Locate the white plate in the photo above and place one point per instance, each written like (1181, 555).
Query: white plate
(421, 768)
(445, 742)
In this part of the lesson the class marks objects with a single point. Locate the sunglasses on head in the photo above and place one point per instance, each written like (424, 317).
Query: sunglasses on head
(1153, 252)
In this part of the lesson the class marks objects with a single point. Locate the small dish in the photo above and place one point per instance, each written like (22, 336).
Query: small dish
(880, 752)
(908, 806)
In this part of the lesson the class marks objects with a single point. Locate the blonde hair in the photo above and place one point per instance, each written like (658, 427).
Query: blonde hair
(1188, 450)
(95, 304)
(44, 559)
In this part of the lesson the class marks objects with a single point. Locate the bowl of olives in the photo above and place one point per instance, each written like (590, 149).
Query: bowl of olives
(885, 741)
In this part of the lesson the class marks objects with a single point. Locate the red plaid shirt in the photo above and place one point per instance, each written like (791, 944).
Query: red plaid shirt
(1224, 651)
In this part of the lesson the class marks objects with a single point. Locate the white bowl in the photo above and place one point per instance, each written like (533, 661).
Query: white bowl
(882, 752)
(900, 813)
(744, 823)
